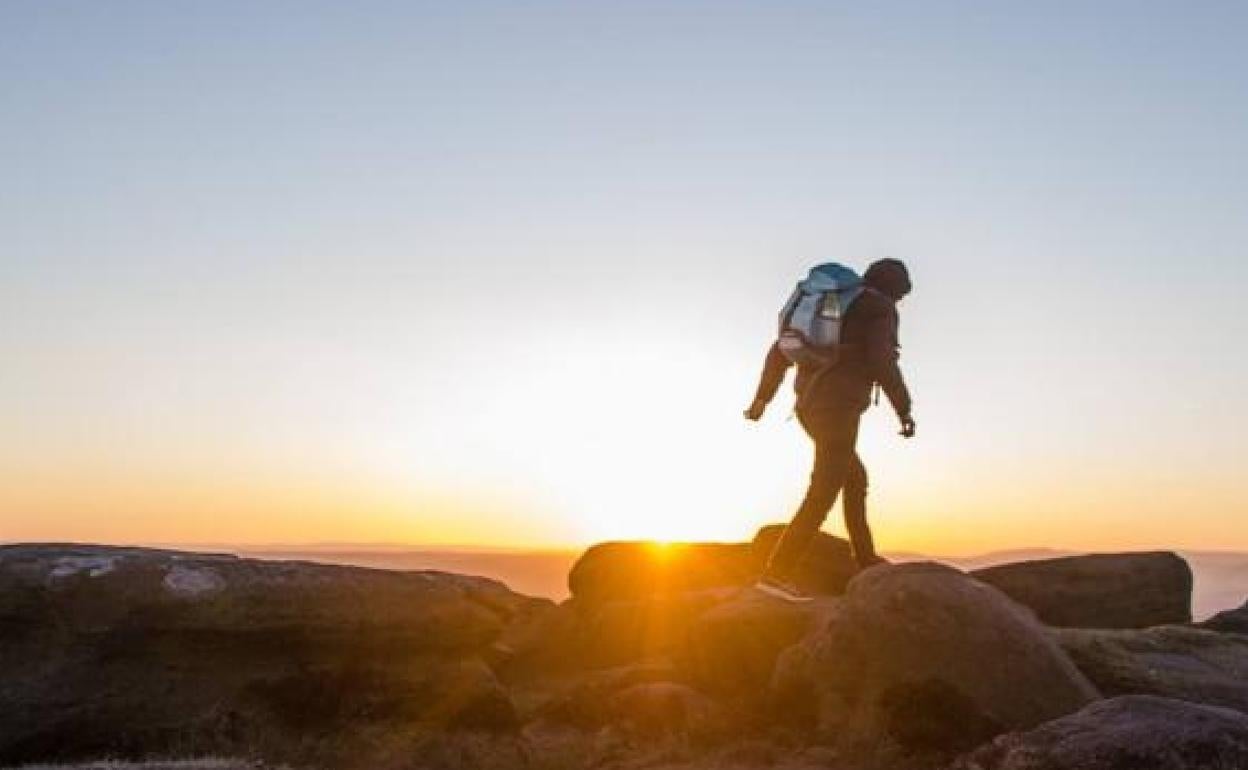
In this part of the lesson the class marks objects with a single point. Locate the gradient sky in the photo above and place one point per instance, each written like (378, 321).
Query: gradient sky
(503, 273)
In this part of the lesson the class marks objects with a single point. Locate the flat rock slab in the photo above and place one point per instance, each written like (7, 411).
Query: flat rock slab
(1183, 662)
(132, 652)
(1229, 621)
(1108, 590)
(639, 570)
(1137, 732)
(77, 589)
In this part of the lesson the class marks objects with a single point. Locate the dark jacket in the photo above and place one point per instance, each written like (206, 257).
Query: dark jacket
(870, 334)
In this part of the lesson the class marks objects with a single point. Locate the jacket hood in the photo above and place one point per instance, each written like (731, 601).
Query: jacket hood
(889, 277)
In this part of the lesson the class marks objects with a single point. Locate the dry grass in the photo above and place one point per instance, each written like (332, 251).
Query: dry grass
(180, 764)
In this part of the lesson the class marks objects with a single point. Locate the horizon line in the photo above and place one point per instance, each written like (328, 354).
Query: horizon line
(470, 548)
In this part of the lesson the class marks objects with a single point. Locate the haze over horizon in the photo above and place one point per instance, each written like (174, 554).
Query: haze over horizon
(503, 275)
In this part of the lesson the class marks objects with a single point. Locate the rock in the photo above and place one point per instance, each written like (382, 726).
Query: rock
(825, 569)
(545, 642)
(1229, 621)
(619, 632)
(586, 702)
(924, 655)
(191, 582)
(667, 708)
(1108, 590)
(134, 652)
(1182, 662)
(631, 571)
(732, 648)
(1136, 732)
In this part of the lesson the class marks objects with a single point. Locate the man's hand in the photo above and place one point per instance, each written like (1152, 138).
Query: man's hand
(755, 410)
(907, 426)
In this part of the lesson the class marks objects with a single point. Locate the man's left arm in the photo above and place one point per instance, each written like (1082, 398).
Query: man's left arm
(883, 350)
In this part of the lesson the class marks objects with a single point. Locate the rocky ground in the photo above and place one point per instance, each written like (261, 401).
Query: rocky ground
(662, 658)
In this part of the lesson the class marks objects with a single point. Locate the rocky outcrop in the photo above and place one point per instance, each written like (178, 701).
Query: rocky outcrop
(1114, 590)
(731, 650)
(633, 571)
(1229, 621)
(928, 657)
(663, 657)
(616, 633)
(634, 601)
(1126, 733)
(825, 568)
(122, 651)
(1192, 664)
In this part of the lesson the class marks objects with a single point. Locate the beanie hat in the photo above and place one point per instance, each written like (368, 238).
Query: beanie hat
(889, 277)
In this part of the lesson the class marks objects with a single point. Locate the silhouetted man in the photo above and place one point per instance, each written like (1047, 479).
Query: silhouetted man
(830, 401)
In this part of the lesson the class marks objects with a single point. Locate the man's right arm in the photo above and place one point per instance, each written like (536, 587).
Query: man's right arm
(774, 368)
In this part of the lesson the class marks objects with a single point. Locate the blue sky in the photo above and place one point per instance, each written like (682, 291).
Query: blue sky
(281, 251)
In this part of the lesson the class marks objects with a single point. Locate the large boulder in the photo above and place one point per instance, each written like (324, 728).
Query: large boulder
(639, 570)
(587, 701)
(1174, 661)
(616, 633)
(630, 571)
(1106, 590)
(1137, 732)
(825, 568)
(1230, 621)
(130, 652)
(926, 656)
(731, 650)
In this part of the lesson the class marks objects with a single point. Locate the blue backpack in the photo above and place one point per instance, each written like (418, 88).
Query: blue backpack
(810, 322)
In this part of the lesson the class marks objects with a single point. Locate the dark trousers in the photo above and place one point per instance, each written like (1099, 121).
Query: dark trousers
(837, 467)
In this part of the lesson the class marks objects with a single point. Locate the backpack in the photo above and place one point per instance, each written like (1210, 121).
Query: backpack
(810, 322)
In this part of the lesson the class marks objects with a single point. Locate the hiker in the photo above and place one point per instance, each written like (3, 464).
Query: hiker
(853, 322)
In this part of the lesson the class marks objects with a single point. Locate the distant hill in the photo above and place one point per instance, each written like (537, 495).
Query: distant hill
(1221, 577)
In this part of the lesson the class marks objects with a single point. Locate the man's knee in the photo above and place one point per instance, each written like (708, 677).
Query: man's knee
(856, 481)
(818, 503)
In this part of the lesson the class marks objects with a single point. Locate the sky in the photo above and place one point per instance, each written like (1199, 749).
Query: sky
(503, 274)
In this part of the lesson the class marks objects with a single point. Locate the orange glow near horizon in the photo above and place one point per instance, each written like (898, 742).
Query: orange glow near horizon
(671, 464)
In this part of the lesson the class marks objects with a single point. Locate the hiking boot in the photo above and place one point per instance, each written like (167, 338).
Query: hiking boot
(780, 589)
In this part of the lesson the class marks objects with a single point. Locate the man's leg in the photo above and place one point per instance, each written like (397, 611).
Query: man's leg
(834, 434)
(856, 513)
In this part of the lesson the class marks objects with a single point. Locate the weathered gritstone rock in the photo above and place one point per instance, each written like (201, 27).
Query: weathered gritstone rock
(621, 632)
(825, 568)
(731, 650)
(667, 708)
(928, 657)
(1229, 621)
(632, 571)
(1192, 664)
(1137, 732)
(587, 702)
(133, 652)
(1108, 590)
(192, 582)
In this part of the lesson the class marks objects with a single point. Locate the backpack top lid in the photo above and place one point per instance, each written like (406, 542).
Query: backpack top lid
(830, 276)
